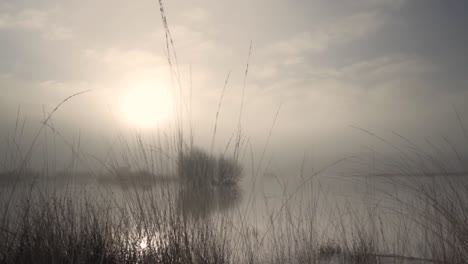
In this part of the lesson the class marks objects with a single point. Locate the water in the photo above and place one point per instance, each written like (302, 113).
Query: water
(337, 206)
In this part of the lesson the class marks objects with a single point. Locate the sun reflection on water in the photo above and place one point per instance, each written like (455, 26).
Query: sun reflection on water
(148, 242)
(144, 243)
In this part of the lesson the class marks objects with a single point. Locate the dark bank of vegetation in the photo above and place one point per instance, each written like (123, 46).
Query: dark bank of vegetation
(185, 219)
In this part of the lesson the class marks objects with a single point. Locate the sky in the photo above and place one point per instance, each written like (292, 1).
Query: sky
(332, 66)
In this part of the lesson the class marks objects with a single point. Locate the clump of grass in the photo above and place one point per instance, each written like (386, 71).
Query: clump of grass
(328, 251)
(228, 172)
(208, 184)
(198, 169)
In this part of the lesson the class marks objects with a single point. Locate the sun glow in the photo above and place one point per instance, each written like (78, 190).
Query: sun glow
(146, 105)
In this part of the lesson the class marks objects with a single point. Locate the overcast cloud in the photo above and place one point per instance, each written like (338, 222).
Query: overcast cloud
(380, 65)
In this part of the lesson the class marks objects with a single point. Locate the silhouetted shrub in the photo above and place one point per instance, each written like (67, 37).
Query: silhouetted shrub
(228, 172)
(198, 169)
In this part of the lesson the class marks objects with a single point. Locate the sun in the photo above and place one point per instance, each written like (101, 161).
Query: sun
(146, 105)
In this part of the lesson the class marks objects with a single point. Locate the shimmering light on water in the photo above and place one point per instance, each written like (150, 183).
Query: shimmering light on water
(144, 243)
